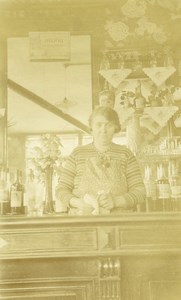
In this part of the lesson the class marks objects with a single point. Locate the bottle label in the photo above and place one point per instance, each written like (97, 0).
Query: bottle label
(16, 198)
(139, 103)
(3, 195)
(150, 189)
(163, 191)
(176, 191)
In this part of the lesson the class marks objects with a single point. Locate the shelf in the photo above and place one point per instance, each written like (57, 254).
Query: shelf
(157, 157)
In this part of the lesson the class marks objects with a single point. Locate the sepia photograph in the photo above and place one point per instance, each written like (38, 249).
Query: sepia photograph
(90, 149)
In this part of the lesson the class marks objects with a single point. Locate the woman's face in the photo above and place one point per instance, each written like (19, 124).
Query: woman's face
(102, 130)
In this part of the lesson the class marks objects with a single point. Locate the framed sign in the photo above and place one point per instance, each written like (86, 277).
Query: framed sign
(51, 45)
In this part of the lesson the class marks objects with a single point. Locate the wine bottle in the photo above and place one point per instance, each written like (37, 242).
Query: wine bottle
(163, 188)
(139, 100)
(4, 193)
(16, 196)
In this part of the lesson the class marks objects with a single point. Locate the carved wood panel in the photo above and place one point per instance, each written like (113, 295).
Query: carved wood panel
(109, 279)
(151, 277)
(165, 290)
(48, 289)
(125, 258)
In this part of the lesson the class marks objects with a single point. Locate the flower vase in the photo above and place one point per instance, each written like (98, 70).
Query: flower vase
(48, 207)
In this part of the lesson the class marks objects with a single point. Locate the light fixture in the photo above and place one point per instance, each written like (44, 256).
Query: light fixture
(65, 103)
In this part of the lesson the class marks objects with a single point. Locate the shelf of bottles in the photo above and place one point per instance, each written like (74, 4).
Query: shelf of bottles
(167, 148)
(161, 167)
(135, 58)
(163, 186)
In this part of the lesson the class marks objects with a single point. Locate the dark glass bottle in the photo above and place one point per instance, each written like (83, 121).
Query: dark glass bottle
(16, 196)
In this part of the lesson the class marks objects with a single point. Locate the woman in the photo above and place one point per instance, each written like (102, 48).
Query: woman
(101, 177)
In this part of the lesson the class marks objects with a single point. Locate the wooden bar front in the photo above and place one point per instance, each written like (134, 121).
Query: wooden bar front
(127, 257)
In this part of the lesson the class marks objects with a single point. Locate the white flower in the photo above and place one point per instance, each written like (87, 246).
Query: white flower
(159, 36)
(144, 26)
(134, 8)
(118, 31)
(37, 152)
(47, 155)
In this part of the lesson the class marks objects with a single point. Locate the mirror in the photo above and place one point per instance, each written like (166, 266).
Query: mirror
(46, 96)
(65, 84)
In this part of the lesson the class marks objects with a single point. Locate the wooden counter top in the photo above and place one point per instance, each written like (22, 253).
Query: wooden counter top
(65, 236)
(133, 256)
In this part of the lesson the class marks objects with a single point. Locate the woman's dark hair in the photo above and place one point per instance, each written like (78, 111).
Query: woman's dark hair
(109, 113)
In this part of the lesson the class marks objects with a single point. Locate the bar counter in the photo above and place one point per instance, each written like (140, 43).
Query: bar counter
(133, 256)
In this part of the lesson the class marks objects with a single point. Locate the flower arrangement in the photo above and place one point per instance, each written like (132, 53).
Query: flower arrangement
(165, 96)
(46, 156)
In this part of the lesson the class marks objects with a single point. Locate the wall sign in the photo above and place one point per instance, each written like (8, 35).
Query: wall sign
(53, 45)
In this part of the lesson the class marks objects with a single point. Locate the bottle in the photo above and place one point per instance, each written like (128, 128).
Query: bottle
(153, 59)
(163, 189)
(16, 196)
(24, 208)
(4, 192)
(139, 101)
(105, 64)
(150, 186)
(8, 185)
(175, 185)
(30, 194)
(121, 62)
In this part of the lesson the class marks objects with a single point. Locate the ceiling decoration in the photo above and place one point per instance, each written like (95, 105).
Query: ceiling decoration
(143, 22)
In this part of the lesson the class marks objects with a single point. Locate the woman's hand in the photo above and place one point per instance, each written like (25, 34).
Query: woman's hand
(106, 201)
(83, 208)
(120, 202)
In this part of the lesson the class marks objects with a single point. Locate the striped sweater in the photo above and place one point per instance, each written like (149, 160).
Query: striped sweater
(84, 173)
